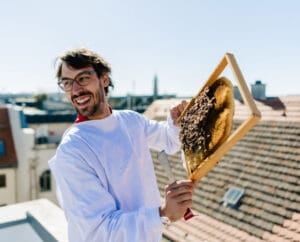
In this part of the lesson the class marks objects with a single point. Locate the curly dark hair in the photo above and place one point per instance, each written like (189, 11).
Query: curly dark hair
(81, 58)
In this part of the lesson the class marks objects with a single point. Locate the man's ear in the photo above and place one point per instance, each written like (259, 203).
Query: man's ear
(105, 80)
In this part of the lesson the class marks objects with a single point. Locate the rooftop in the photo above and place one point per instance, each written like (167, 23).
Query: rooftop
(265, 164)
(285, 108)
(37, 220)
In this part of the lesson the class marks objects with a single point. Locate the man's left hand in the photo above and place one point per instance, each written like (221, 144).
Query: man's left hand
(176, 111)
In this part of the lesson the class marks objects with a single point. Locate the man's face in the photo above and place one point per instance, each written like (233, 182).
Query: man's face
(89, 100)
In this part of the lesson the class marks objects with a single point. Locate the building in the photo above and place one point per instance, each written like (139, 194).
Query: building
(28, 139)
(24, 172)
(253, 193)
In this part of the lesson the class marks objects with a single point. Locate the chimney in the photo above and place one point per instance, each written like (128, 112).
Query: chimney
(258, 90)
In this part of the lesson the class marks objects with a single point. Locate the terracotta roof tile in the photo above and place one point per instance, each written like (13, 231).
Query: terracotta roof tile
(286, 233)
(296, 217)
(291, 225)
(205, 228)
(273, 238)
(265, 163)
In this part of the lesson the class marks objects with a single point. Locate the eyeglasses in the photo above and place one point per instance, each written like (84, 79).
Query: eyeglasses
(82, 79)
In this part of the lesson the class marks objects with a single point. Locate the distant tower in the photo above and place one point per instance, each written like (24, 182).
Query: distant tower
(155, 87)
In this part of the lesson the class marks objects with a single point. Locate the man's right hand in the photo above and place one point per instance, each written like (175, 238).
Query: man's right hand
(178, 198)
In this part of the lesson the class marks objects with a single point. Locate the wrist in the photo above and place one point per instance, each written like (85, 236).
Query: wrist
(161, 210)
(163, 218)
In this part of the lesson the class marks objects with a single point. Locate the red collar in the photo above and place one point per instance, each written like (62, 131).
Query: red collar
(81, 118)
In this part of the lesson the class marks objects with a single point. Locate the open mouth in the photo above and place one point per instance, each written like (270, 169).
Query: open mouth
(82, 101)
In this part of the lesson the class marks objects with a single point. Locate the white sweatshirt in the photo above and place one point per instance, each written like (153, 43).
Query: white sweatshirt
(105, 177)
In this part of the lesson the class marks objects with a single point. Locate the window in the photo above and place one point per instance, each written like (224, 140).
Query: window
(23, 121)
(2, 180)
(42, 134)
(232, 197)
(42, 140)
(45, 181)
(2, 148)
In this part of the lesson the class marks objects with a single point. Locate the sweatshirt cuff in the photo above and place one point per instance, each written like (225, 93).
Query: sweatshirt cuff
(153, 218)
(172, 129)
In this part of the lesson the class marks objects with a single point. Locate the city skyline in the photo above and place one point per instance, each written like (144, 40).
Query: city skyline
(179, 42)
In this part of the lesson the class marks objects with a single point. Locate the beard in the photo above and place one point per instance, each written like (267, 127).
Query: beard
(89, 111)
(93, 109)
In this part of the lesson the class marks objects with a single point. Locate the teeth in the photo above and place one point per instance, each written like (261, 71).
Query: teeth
(82, 100)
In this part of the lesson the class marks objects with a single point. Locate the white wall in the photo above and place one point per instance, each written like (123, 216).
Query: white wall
(44, 154)
(54, 130)
(24, 143)
(8, 193)
(32, 159)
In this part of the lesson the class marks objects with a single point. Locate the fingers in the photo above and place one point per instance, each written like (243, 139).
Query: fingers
(180, 195)
(184, 198)
(181, 106)
(188, 184)
(178, 199)
(181, 191)
(177, 110)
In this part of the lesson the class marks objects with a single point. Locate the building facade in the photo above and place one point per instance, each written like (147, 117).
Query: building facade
(24, 172)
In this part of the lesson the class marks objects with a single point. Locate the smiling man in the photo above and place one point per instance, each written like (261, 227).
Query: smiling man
(103, 168)
(88, 89)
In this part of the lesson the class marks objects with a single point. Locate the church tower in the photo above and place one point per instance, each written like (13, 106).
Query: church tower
(155, 87)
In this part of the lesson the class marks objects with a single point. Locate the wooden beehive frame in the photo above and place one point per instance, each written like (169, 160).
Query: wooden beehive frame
(254, 117)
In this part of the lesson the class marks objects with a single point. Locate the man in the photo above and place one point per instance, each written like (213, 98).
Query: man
(103, 168)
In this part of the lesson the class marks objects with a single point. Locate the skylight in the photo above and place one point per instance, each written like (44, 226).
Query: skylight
(232, 197)
(27, 229)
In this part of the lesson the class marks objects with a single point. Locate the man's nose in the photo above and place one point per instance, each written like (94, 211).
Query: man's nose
(76, 87)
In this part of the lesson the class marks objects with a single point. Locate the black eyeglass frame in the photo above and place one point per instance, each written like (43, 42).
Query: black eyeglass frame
(75, 79)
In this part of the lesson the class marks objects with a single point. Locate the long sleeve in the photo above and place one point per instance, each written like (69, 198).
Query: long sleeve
(162, 135)
(105, 177)
(91, 210)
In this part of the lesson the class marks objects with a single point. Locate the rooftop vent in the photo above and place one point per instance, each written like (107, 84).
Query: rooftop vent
(232, 197)
(258, 90)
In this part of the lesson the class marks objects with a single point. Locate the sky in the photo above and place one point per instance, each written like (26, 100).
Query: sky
(180, 41)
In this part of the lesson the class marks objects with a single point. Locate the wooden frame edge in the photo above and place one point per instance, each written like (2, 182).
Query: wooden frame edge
(254, 118)
(214, 158)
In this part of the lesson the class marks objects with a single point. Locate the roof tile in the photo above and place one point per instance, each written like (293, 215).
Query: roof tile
(291, 225)
(272, 238)
(286, 233)
(265, 163)
(296, 217)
